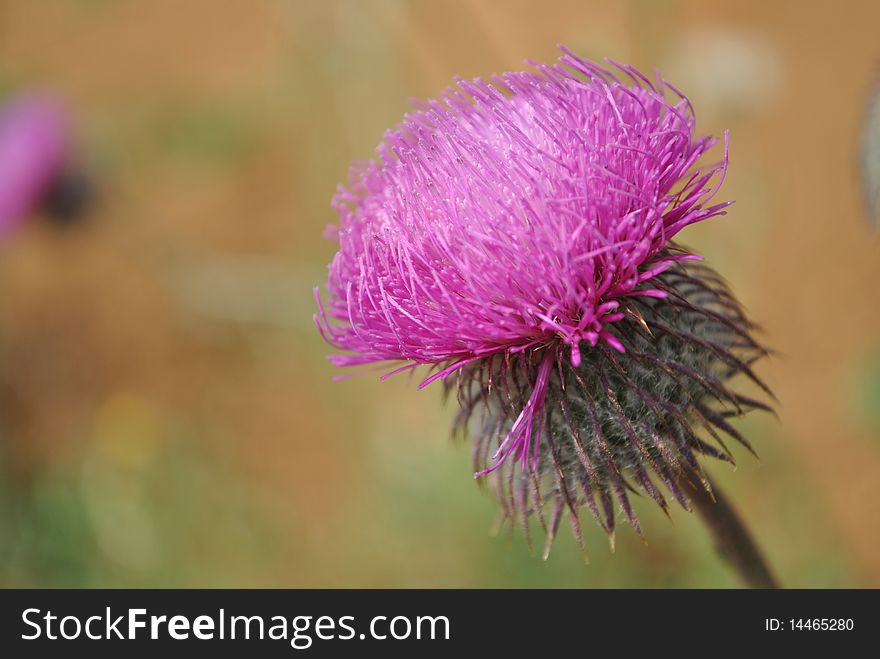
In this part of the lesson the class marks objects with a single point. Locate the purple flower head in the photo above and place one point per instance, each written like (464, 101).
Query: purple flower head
(515, 234)
(34, 145)
(514, 213)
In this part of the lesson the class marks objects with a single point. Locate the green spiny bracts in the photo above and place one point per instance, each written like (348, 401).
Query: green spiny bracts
(619, 423)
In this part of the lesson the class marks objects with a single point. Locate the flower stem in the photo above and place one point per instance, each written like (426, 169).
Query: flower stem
(732, 539)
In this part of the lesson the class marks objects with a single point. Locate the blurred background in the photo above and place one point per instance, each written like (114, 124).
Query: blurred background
(167, 415)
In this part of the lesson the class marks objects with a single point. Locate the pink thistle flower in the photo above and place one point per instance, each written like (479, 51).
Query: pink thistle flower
(34, 148)
(515, 236)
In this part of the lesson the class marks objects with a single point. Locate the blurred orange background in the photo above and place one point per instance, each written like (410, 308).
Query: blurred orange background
(167, 417)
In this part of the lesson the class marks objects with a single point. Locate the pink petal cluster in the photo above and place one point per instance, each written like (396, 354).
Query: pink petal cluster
(34, 142)
(514, 214)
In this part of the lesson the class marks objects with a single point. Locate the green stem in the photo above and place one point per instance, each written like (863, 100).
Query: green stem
(732, 539)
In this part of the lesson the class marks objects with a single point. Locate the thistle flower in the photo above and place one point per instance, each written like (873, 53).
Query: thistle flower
(516, 237)
(35, 147)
